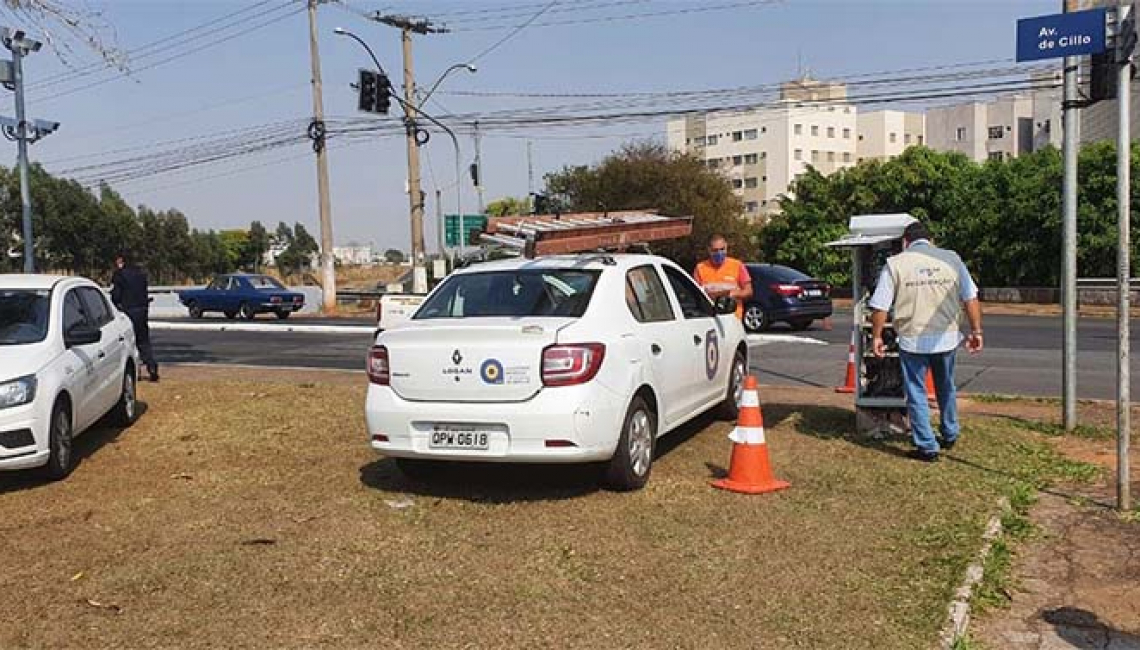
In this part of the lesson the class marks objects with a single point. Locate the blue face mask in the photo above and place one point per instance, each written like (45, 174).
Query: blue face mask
(718, 257)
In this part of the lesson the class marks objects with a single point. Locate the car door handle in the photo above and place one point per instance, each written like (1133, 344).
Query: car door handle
(656, 349)
(697, 340)
(122, 339)
(102, 354)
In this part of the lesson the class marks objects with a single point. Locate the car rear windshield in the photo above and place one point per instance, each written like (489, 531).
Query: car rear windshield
(777, 273)
(265, 283)
(23, 316)
(530, 292)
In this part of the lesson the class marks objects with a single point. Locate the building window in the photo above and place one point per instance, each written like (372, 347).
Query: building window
(960, 134)
(798, 154)
(763, 179)
(737, 136)
(830, 156)
(751, 206)
(737, 183)
(995, 155)
(920, 140)
(846, 156)
(1046, 127)
(737, 160)
(799, 129)
(763, 155)
(860, 137)
(763, 129)
(906, 138)
(713, 163)
(713, 139)
(847, 134)
(815, 129)
(996, 133)
(814, 156)
(699, 141)
(751, 159)
(894, 138)
(751, 134)
(831, 131)
(751, 183)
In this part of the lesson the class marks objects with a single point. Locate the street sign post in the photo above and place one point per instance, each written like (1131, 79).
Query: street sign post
(1059, 35)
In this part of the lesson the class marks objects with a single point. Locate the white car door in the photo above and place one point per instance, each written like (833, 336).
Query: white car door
(111, 352)
(79, 365)
(705, 336)
(661, 341)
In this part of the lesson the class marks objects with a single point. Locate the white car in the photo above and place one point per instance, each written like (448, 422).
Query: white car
(558, 359)
(67, 358)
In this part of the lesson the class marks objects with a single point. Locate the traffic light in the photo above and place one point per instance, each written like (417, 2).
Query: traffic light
(474, 169)
(1126, 36)
(1102, 77)
(374, 89)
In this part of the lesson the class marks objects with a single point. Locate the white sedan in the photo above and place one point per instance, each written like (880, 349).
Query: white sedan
(558, 359)
(67, 358)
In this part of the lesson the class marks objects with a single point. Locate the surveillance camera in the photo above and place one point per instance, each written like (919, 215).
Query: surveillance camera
(19, 35)
(44, 127)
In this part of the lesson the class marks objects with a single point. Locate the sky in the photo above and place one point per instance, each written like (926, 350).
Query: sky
(262, 76)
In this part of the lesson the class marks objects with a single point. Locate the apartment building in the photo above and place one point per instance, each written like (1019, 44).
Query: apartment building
(885, 134)
(762, 150)
(999, 129)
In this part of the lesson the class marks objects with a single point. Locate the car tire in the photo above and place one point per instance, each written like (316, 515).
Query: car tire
(755, 320)
(729, 409)
(195, 309)
(61, 459)
(800, 324)
(417, 468)
(126, 409)
(247, 311)
(282, 314)
(633, 459)
(231, 314)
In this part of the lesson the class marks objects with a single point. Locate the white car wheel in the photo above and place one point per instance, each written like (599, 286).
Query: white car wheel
(633, 459)
(60, 462)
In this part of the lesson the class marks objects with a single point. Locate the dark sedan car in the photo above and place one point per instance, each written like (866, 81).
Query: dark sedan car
(242, 294)
(783, 294)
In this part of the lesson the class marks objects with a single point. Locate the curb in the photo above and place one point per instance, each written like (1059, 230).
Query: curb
(958, 613)
(768, 339)
(295, 329)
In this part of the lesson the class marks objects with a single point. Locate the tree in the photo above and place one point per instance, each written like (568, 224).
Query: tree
(506, 206)
(301, 248)
(648, 176)
(235, 243)
(394, 256)
(257, 244)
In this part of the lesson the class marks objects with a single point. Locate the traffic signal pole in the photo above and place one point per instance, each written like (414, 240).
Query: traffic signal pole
(317, 134)
(1125, 44)
(1070, 117)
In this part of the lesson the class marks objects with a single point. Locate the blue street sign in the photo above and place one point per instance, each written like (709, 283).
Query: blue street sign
(1069, 34)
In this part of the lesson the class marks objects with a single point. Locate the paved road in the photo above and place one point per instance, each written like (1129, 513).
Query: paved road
(1022, 354)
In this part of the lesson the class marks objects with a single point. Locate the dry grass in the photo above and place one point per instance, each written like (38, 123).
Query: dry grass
(244, 513)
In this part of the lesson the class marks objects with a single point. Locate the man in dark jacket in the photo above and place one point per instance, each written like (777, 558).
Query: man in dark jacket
(129, 293)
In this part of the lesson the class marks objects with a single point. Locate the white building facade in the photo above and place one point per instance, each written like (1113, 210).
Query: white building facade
(1006, 127)
(886, 134)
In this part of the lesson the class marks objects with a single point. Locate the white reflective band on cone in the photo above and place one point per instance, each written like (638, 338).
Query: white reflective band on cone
(749, 398)
(747, 435)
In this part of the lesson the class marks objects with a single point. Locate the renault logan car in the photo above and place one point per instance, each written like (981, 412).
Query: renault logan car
(67, 358)
(559, 359)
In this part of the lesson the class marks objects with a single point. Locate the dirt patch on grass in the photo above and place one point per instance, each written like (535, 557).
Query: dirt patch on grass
(246, 509)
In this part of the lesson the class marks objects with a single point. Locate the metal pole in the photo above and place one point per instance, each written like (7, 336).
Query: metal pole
(1071, 120)
(415, 194)
(529, 177)
(479, 167)
(22, 160)
(439, 219)
(1123, 202)
(328, 270)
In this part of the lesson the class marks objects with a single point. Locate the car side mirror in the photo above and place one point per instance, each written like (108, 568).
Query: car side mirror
(82, 335)
(725, 305)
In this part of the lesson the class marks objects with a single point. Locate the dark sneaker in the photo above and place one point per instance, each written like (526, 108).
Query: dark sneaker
(154, 377)
(949, 444)
(924, 456)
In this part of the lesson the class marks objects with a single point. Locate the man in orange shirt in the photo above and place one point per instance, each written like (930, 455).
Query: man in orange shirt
(721, 275)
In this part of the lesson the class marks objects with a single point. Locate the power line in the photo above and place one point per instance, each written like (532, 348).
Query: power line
(513, 33)
(634, 16)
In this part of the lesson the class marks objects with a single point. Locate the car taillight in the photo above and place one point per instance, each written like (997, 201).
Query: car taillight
(275, 299)
(379, 371)
(788, 290)
(298, 299)
(827, 290)
(566, 365)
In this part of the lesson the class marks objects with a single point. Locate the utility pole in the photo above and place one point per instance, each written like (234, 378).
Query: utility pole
(20, 46)
(479, 169)
(529, 177)
(1125, 44)
(407, 27)
(439, 219)
(317, 134)
(1071, 120)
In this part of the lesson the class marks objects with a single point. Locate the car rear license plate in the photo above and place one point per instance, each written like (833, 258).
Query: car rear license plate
(813, 293)
(450, 437)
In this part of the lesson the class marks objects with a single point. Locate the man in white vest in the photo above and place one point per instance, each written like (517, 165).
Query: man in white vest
(927, 288)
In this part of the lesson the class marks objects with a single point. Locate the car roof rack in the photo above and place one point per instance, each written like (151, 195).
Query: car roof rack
(599, 232)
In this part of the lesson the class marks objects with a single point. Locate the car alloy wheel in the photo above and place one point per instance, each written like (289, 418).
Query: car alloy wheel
(195, 310)
(247, 311)
(640, 443)
(59, 443)
(130, 398)
(755, 319)
(632, 461)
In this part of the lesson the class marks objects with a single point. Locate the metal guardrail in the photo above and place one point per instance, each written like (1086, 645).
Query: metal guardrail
(1105, 283)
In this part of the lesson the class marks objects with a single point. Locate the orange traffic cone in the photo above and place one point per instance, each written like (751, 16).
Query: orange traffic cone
(849, 384)
(749, 471)
(930, 394)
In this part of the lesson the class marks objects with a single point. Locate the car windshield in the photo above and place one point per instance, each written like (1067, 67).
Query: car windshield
(777, 273)
(530, 292)
(23, 316)
(265, 283)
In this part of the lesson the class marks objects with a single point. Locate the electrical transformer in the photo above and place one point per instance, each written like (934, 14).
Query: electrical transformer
(880, 404)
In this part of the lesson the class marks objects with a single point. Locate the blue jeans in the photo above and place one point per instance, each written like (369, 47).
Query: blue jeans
(941, 365)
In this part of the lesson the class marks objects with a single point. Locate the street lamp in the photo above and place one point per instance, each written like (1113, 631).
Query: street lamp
(458, 66)
(340, 31)
(455, 142)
